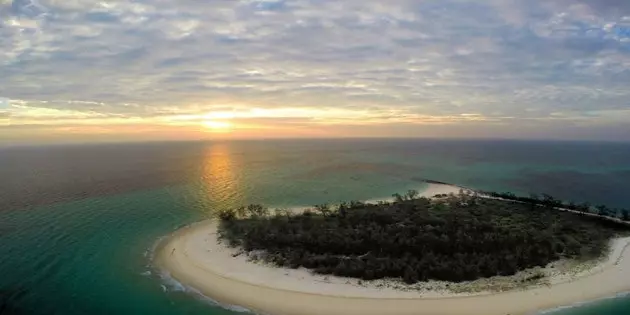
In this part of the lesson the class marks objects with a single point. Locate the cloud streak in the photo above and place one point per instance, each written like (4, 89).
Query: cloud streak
(366, 62)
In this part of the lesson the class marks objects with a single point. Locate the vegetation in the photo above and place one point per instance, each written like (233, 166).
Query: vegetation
(549, 201)
(452, 238)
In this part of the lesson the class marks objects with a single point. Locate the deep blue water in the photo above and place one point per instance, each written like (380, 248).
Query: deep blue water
(77, 223)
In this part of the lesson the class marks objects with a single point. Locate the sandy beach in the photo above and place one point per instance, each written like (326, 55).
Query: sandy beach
(194, 256)
(431, 191)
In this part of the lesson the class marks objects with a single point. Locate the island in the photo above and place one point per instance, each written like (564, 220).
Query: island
(447, 250)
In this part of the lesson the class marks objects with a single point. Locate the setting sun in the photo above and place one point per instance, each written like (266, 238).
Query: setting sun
(222, 126)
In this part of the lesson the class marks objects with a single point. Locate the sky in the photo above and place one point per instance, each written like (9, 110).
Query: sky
(87, 71)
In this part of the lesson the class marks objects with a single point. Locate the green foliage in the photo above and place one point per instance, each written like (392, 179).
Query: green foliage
(241, 212)
(342, 210)
(398, 197)
(603, 210)
(458, 238)
(409, 195)
(323, 209)
(227, 215)
(256, 210)
(412, 194)
(549, 201)
(283, 212)
(584, 207)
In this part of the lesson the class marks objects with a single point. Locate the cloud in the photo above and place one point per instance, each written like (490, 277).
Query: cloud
(607, 7)
(427, 61)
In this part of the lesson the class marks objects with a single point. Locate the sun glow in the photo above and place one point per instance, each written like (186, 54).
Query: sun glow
(216, 125)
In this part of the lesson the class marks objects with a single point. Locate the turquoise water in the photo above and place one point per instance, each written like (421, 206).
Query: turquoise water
(77, 224)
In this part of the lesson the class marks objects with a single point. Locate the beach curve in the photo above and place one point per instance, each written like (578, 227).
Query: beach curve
(193, 256)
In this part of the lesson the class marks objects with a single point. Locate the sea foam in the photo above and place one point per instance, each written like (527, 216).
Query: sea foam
(170, 284)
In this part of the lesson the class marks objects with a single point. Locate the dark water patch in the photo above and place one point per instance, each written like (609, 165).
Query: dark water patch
(358, 168)
(609, 188)
(10, 300)
(46, 175)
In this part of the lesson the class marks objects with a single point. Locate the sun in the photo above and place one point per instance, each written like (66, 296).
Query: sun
(218, 126)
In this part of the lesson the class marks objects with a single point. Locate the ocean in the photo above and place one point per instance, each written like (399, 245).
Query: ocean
(78, 222)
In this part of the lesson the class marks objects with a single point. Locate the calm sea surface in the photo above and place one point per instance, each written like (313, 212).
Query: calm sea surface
(77, 223)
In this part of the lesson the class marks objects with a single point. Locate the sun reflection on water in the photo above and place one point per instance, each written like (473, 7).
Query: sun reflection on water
(220, 177)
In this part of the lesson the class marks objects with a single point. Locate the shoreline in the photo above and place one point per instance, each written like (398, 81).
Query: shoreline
(192, 256)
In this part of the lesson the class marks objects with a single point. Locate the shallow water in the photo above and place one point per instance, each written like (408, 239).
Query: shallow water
(77, 223)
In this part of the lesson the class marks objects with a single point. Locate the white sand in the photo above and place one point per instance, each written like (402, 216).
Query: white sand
(431, 191)
(193, 256)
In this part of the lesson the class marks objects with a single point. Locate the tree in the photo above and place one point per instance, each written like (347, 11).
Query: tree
(227, 215)
(625, 215)
(343, 210)
(356, 204)
(412, 194)
(439, 206)
(549, 201)
(602, 210)
(324, 209)
(283, 212)
(256, 210)
(421, 239)
(474, 200)
(398, 197)
(410, 276)
(241, 212)
(584, 207)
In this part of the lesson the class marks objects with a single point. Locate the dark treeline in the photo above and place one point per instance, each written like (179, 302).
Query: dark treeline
(453, 238)
(551, 202)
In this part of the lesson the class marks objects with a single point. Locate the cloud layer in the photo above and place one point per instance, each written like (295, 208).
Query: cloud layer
(311, 62)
